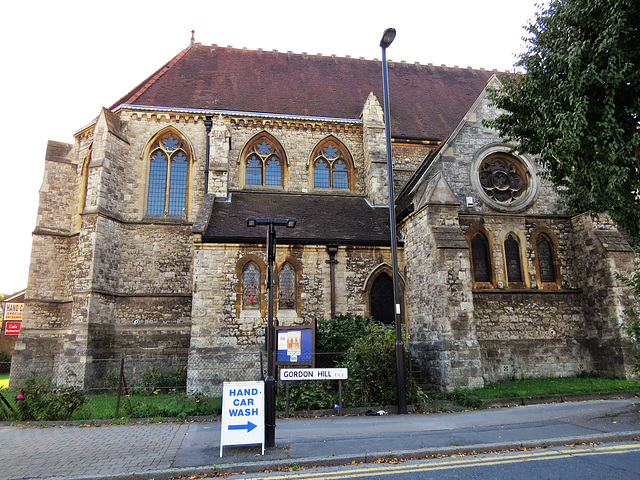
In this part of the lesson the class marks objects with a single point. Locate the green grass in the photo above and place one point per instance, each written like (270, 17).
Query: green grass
(553, 386)
(175, 405)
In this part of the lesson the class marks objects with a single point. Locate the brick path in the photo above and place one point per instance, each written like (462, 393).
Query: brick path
(36, 452)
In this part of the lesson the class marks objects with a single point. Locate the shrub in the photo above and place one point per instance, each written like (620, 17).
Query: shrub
(308, 396)
(367, 349)
(38, 400)
(372, 370)
(156, 380)
(632, 311)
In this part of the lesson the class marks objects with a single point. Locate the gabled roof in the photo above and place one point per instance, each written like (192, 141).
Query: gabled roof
(426, 101)
(321, 219)
(405, 197)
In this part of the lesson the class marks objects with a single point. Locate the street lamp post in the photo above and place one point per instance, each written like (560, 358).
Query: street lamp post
(269, 383)
(387, 37)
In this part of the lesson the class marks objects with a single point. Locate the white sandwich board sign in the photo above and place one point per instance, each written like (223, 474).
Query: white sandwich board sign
(242, 414)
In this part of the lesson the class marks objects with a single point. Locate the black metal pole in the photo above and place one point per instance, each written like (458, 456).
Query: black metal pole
(270, 387)
(208, 123)
(402, 390)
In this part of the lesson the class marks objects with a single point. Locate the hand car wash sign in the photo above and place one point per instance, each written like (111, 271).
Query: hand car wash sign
(242, 414)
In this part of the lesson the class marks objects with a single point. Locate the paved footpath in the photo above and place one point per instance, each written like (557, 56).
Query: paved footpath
(168, 450)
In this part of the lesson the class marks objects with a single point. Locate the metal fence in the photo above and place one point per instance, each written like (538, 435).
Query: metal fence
(194, 374)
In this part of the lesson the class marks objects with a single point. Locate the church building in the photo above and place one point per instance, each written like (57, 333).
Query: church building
(141, 248)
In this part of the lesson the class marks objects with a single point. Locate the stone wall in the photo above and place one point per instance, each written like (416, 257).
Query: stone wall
(298, 140)
(226, 341)
(530, 334)
(601, 252)
(440, 314)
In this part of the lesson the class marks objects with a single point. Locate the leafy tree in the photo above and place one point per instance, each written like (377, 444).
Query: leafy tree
(577, 106)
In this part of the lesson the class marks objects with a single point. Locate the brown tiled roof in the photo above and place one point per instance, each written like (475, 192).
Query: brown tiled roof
(321, 219)
(426, 101)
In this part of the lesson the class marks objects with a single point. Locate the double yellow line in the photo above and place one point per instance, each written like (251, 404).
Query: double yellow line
(463, 462)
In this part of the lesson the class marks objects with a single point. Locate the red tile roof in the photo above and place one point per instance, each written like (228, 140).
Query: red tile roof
(426, 101)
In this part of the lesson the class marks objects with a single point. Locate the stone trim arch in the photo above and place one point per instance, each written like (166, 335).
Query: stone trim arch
(526, 168)
(185, 146)
(470, 234)
(557, 271)
(516, 235)
(278, 152)
(342, 154)
(383, 269)
(297, 269)
(239, 287)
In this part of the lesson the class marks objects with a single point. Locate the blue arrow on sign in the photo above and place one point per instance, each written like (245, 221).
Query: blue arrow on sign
(249, 426)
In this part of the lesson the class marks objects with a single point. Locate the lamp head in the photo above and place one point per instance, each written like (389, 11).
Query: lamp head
(387, 37)
(291, 222)
(251, 222)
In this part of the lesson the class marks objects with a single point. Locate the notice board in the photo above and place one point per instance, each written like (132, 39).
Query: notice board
(295, 345)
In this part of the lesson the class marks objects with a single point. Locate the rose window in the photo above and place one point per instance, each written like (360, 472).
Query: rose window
(502, 178)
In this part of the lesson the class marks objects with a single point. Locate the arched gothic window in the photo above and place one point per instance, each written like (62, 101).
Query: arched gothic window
(481, 259)
(546, 261)
(512, 257)
(332, 166)
(263, 162)
(250, 287)
(287, 288)
(168, 176)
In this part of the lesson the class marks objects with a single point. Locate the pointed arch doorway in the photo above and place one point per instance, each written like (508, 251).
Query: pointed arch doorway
(381, 299)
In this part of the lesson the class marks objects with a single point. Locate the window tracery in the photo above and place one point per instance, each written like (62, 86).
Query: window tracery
(331, 166)
(263, 162)
(503, 178)
(168, 176)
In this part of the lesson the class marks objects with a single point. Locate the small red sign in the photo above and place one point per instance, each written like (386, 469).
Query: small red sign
(12, 328)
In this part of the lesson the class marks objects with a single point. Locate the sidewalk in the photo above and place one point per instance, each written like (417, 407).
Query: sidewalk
(166, 450)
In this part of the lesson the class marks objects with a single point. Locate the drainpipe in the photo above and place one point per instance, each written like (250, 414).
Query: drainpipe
(208, 123)
(332, 249)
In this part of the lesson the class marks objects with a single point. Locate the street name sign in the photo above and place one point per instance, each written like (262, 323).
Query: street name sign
(287, 374)
(242, 414)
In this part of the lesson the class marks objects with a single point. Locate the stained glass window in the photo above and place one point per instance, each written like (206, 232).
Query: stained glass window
(168, 177)
(512, 256)
(251, 286)
(546, 264)
(331, 168)
(287, 287)
(263, 163)
(480, 258)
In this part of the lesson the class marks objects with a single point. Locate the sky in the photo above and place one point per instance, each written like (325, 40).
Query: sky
(64, 60)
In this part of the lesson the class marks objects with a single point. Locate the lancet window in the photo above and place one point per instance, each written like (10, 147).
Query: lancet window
(168, 176)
